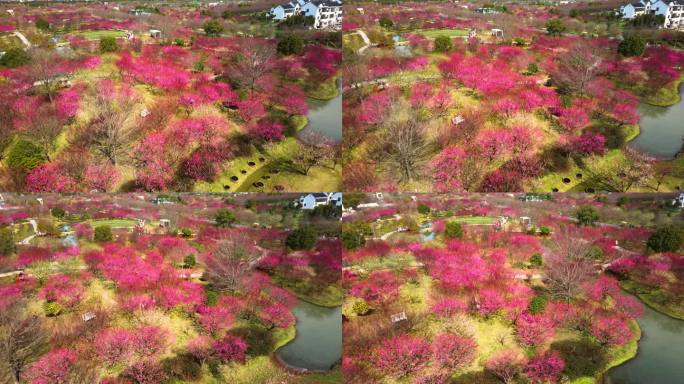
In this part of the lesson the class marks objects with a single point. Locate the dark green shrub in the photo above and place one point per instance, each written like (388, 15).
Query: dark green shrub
(302, 238)
(42, 24)
(210, 297)
(189, 261)
(57, 212)
(7, 245)
(224, 218)
(354, 234)
(186, 232)
(213, 28)
(108, 44)
(555, 27)
(453, 230)
(103, 233)
(25, 155)
(536, 260)
(423, 209)
(544, 230)
(386, 22)
(667, 238)
(587, 215)
(536, 305)
(632, 45)
(443, 44)
(14, 57)
(290, 44)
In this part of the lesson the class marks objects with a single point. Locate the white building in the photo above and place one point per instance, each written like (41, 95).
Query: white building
(313, 200)
(672, 11)
(326, 13)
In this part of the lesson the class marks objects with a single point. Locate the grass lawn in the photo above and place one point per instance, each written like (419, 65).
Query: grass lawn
(474, 219)
(324, 296)
(353, 41)
(666, 96)
(656, 298)
(395, 261)
(326, 90)
(114, 223)
(433, 33)
(97, 35)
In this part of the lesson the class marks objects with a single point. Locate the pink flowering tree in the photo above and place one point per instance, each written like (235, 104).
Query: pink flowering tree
(545, 368)
(534, 329)
(452, 351)
(230, 348)
(611, 330)
(507, 365)
(52, 368)
(403, 355)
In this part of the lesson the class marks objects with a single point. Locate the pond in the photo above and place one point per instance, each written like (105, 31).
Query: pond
(662, 129)
(659, 359)
(325, 116)
(318, 344)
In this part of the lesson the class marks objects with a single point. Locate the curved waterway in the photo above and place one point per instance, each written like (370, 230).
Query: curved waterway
(660, 357)
(662, 129)
(325, 116)
(318, 343)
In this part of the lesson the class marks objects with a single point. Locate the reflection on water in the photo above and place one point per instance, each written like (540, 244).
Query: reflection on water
(659, 359)
(325, 116)
(318, 344)
(662, 129)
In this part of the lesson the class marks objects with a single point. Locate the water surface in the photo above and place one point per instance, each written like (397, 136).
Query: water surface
(325, 116)
(660, 358)
(662, 130)
(318, 344)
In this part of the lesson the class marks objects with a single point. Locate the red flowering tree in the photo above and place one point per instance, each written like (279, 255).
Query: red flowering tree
(507, 365)
(230, 348)
(453, 351)
(545, 368)
(403, 355)
(611, 330)
(52, 368)
(534, 329)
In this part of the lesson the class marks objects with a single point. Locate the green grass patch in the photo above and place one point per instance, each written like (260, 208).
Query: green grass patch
(474, 219)
(97, 35)
(324, 295)
(326, 90)
(433, 33)
(656, 298)
(395, 261)
(665, 96)
(114, 223)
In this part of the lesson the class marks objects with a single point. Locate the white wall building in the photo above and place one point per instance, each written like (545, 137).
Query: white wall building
(671, 10)
(326, 13)
(313, 200)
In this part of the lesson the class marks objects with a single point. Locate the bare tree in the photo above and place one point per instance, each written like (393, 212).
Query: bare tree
(111, 131)
(403, 147)
(254, 60)
(22, 338)
(577, 67)
(569, 265)
(45, 126)
(313, 149)
(231, 259)
(43, 70)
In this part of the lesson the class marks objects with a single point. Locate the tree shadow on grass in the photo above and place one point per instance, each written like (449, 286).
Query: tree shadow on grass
(582, 357)
(259, 339)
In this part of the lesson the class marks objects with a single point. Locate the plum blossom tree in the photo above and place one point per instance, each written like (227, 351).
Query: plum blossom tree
(62, 289)
(611, 330)
(446, 168)
(402, 355)
(545, 368)
(507, 365)
(452, 351)
(230, 348)
(534, 329)
(52, 368)
(277, 315)
(448, 307)
(590, 144)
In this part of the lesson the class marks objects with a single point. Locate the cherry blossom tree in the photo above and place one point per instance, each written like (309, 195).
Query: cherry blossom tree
(534, 329)
(611, 330)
